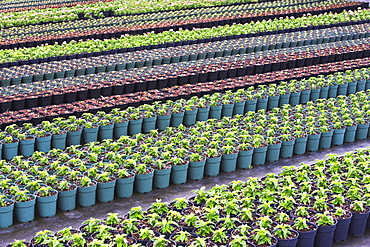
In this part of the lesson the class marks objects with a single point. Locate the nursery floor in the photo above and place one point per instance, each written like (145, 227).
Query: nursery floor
(76, 217)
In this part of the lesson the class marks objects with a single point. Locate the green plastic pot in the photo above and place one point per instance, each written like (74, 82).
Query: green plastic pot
(105, 191)
(25, 211)
(350, 134)
(74, 137)
(196, 170)
(300, 145)
(67, 199)
(239, 108)
(228, 162)
(287, 148)
(135, 126)
(203, 113)
(212, 166)
(90, 134)
(338, 137)
(106, 131)
(59, 141)
(144, 182)
(227, 110)
(244, 160)
(325, 139)
(179, 173)
(47, 206)
(190, 117)
(125, 187)
(149, 124)
(362, 131)
(177, 118)
(361, 86)
(6, 215)
(273, 102)
(273, 152)
(163, 121)
(161, 178)
(86, 196)
(26, 147)
(43, 144)
(120, 129)
(215, 112)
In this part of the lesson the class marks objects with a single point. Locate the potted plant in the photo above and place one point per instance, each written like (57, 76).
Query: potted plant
(67, 193)
(46, 201)
(124, 183)
(179, 170)
(229, 158)
(286, 235)
(196, 166)
(143, 178)
(262, 237)
(24, 207)
(344, 219)
(162, 173)
(6, 211)
(326, 227)
(359, 218)
(86, 191)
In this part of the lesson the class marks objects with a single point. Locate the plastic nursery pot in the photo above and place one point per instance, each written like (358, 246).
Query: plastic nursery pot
(177, 118)
(162, 178)
(291, 242)
(105, 191)
(341, 231)
(163, 121)
(300, 145)
(202, 114)
(259, 155)
(358, 222)
(67, 199)
(6, 214)
(149, 124)
(179, 173)
(190, 117)
(307, 238)
(338, 137)
(134, 126)
(324, 236)
(228, 162)
(212, 166)
(350, 134)
(106, 131)
(59, 141)
(120, 129)
(244, 160)
(227, 110)
(43, 144)
(90, 134)
(47, 206)
(287, 148)
(215, 112)
(273, 152)
(313, 142)
(86, 196)
(74, 137)
(362, 131)
(325, 139)
(10, 150)
(26, 147)
(144, 182)
(25, 211)
(125, 186)
(196, 170)
(239, 108)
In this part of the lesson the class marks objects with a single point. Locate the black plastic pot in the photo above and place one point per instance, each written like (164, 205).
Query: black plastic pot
(341, 231)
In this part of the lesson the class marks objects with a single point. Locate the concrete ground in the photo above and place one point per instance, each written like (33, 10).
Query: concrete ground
(76, 217)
